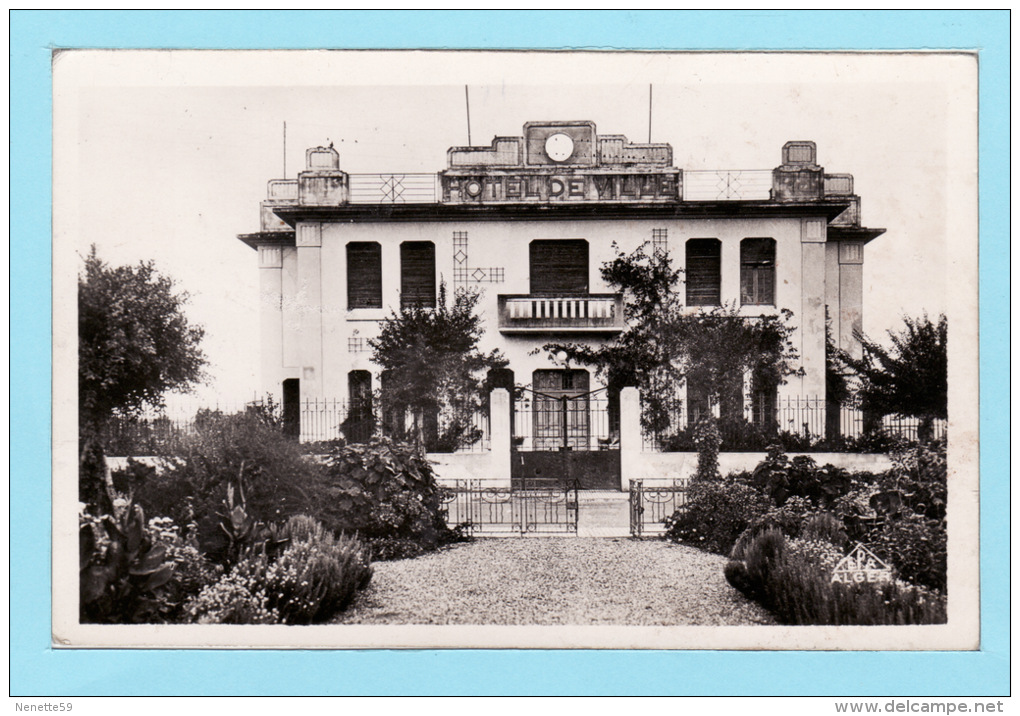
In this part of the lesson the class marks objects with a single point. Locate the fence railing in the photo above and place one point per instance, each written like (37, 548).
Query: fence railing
(797, 423)
(393, 188)
(727, 185)
(652, 501)
(310, 421)
(531, 506)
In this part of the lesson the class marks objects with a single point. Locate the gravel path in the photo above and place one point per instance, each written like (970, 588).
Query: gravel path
(555, 580)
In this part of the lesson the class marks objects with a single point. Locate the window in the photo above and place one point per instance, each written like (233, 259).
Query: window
(417, 274)
(703, 272)
(758, 272)
(364, 275)
(559, 268)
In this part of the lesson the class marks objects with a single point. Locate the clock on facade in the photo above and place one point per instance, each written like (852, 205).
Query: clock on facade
(559, 147)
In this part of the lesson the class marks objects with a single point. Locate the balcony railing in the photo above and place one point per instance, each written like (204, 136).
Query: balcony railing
(592, 313)
(724, 185)
(394, 188)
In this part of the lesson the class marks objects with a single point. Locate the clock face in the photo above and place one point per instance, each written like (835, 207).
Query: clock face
(559, 147)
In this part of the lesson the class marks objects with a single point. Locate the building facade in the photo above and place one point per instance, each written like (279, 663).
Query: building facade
(527, 222)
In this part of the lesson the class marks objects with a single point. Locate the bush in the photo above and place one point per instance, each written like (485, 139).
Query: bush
(716, 513)
(192, 572)
(781, 478)
(916, 546)
(122, 570)
(247, 450)
(792, 578)
(920, 474)
(314, 578)
(387, 493)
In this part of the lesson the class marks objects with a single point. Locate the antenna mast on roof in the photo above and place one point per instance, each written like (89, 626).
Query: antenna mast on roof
(285, 150)
(467, 106)
(649, 114)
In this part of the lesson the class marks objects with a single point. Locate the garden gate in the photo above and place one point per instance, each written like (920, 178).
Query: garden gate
(531, 506)
(565, 433)
(651, 502)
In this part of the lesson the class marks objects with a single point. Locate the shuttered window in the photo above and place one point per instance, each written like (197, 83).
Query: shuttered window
(364, 275)
(758, 272)
(703, 272)
(559, 268)
(417, 274)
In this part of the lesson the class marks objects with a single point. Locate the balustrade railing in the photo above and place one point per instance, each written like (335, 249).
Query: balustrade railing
(393, 188)
(593, 312)
(727, 185)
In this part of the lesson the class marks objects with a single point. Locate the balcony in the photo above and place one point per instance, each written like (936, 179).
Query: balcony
(591, 313)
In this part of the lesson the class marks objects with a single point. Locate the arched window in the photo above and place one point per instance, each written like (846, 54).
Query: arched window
(703, 272)
(758, 272)
(360, 421)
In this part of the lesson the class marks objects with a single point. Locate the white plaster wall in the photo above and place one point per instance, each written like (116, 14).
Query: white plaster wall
(504, 244)
(675, 465)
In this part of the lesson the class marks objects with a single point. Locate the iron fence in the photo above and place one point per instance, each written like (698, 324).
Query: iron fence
(796, 422)
(531, 506)
(311, 420)
(652, 501)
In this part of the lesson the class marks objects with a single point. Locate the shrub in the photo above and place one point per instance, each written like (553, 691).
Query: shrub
(781, 478)
(916, 546)
(919, 474)
(246, 449)
(792, 578)
(384, 491)
(314, 577)
(707, 441)
(239, 597)
(716, 513)
(192, 572)
(824, 527)
(122, 570)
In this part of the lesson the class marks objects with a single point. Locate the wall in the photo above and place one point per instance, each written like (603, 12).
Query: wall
(652, 465)
(316, 295)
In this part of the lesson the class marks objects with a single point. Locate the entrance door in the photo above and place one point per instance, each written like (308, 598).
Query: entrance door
(563, 434)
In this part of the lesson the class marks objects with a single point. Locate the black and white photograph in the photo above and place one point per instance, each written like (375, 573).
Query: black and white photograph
(479, 349)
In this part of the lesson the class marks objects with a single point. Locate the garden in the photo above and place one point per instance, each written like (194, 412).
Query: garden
(786, 525)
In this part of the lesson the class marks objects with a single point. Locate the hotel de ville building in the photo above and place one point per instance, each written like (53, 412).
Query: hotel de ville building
(527, 222)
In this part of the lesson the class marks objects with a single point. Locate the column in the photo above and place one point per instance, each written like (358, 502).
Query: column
(851, 295)
(309, 275)
(630, 437)
(271, 318)
(499, 434)
(812, 318)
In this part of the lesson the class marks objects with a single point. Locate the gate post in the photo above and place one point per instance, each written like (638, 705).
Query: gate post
(499, 435)
(630, 436)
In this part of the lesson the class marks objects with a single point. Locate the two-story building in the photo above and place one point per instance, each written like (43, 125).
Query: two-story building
(528, 221)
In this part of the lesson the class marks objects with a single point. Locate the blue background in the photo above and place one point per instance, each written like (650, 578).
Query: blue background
(36, 669)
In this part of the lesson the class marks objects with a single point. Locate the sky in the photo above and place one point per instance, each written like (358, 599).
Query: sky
(164, 156)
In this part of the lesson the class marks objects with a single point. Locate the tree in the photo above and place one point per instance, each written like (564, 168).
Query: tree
(432, 365)
(134, 345)
(665, 342)
(908, 378)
